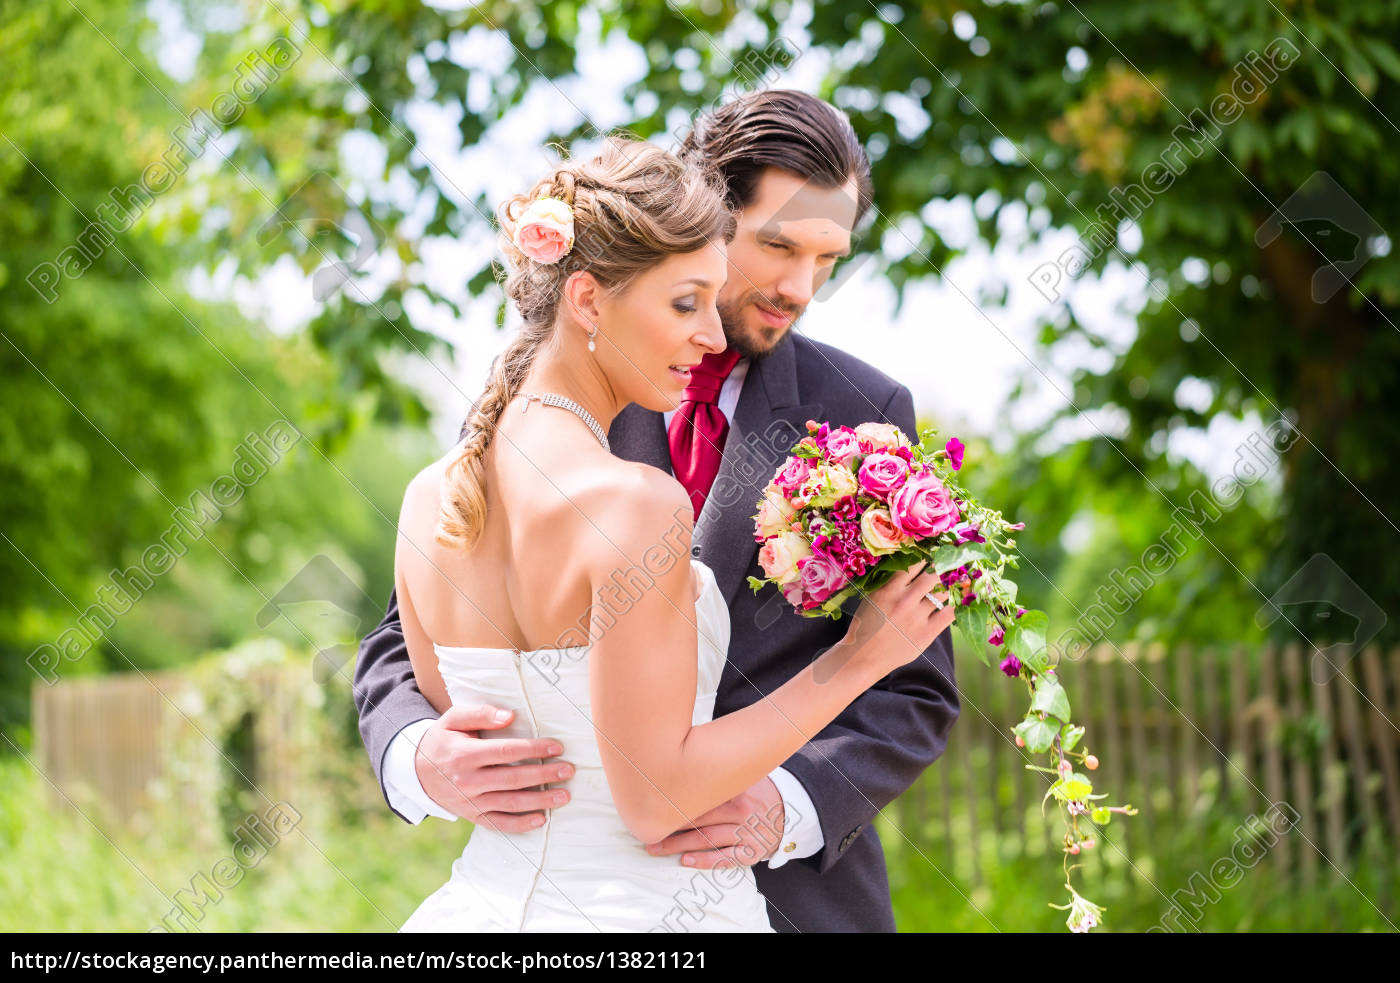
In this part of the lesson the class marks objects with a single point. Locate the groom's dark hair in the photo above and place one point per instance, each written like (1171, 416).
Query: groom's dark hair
(779, 128)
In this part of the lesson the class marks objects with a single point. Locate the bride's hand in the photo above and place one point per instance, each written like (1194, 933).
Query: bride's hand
(897, 622)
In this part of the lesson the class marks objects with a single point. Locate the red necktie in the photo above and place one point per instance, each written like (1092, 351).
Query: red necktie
(698, 428)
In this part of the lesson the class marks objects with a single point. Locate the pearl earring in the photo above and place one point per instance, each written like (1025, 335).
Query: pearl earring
(592, 347)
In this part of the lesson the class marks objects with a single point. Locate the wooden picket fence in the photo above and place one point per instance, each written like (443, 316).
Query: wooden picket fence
(139, 750)
(1192, 733)
(1180, 736)
(100, 739)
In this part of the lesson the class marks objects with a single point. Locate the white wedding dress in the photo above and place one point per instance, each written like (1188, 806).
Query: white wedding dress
(583, 870)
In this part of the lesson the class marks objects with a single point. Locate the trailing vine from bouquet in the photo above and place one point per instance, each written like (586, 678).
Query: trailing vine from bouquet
(1047, 727)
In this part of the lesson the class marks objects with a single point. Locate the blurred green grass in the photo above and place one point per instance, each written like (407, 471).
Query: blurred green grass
(61, 874)
(368, 873)
(1137, 889)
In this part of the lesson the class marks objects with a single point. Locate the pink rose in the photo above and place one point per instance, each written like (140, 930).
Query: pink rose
(779, 556)
(881, 474)
(878, 532)
(792, 593)
(842, 446)
(923, 506)
(542, 243)
(792, 474)
(821, 576)
(545, 231)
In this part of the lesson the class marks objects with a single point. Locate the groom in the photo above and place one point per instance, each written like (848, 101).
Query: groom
(798, 181)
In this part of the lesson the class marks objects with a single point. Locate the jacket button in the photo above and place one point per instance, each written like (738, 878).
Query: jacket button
(695, 550)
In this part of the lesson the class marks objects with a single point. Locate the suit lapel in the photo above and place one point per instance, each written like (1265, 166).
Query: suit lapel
(639, 434)
(767, 422)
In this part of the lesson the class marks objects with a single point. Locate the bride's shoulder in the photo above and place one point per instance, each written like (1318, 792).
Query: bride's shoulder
(616, 502)
(634, 503)
(424, 490)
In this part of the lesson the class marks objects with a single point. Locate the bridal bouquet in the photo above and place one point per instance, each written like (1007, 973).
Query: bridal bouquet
(850, 507)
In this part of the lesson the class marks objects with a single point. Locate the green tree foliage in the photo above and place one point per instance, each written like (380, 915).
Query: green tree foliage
(124, 396)
(1057, 109)
(1063, 108)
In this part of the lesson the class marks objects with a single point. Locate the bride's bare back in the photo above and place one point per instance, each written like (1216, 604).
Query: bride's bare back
(525, 583)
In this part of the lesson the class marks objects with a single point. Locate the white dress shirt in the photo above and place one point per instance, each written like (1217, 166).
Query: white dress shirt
(802, 832)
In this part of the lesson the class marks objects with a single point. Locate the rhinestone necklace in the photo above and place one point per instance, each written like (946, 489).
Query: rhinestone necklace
(563, 402)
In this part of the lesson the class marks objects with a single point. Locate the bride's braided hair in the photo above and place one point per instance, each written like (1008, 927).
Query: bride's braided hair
(634, 205)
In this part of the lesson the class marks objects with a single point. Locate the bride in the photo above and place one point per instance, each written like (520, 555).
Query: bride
(511, 547)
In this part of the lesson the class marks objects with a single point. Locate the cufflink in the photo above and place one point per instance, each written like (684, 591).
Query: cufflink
(790, 847)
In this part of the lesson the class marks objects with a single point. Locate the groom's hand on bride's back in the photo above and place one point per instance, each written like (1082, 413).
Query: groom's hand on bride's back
(478, 776)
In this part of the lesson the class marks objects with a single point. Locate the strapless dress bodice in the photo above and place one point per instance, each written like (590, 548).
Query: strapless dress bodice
(582, 870)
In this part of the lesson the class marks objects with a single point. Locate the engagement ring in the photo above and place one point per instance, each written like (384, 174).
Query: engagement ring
(937, 604)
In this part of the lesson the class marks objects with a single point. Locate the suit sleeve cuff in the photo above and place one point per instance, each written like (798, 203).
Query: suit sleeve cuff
(802, 832)
(401, 785)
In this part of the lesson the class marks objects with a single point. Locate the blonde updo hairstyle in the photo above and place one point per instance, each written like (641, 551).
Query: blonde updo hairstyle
(634, 205)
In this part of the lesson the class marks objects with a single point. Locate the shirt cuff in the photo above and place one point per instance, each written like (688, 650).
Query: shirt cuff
(401, 785)
(802, 831)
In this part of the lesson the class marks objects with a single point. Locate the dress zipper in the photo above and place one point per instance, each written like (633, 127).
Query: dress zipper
(548, 818)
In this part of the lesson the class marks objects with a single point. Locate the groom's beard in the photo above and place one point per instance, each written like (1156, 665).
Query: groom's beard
(753, 342)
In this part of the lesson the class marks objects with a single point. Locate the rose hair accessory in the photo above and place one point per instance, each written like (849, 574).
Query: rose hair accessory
(545, 230)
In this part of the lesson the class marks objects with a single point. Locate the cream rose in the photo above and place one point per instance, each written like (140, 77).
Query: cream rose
(778, 557)
(774, 515)
(828, 484)
(884, 436)
(879, 533)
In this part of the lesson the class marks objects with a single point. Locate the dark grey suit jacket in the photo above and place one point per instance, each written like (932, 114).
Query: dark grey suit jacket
(868, 755)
